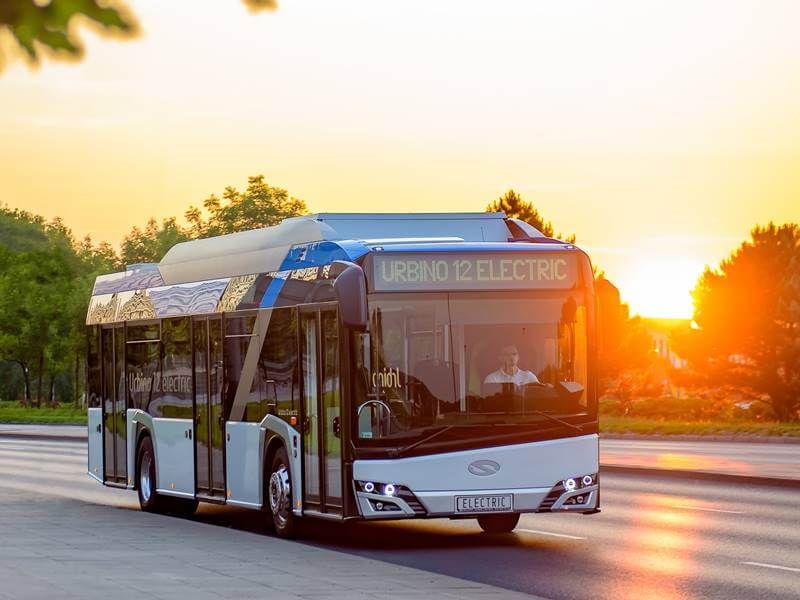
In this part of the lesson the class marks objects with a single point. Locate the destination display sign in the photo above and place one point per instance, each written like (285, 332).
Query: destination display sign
(543, 270)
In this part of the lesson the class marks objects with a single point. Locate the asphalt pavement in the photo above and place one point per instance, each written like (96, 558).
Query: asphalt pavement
(65, 536)
(738, 459)
(656, 537)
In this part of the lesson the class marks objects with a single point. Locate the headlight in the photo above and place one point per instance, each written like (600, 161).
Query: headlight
(580, 482)
(375, 487)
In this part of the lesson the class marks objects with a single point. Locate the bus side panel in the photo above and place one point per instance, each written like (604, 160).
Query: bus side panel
(174, 456)
(244, 449)
(95, 426)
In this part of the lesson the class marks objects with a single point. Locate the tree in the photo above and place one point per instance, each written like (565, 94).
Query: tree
(38, 25)
(151, 243)
(748, 313)
(260, 205)
(45, 282)
(512, 204)
(21, 230)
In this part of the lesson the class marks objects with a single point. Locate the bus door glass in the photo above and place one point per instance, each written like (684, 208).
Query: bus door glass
(114, 416)
(209, 459)
(109, 445)
(322, 446)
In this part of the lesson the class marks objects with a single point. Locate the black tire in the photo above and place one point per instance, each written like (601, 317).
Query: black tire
(278, 495)
(499, 523)
(149, 499)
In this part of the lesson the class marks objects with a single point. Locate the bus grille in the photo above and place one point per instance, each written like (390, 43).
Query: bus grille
(409, 498)
(551, 498)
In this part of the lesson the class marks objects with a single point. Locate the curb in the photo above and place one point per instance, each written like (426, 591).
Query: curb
(50, 437)
(702, 475)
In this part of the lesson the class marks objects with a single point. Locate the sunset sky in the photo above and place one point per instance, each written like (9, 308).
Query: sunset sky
(658, 132)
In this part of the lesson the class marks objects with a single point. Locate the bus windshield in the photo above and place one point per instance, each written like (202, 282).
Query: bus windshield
(445, 360)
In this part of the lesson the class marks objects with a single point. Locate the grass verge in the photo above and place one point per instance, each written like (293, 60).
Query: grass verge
(14, 412)
(635, 425)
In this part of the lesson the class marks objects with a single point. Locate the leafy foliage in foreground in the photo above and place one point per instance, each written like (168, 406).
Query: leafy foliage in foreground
(39, 25)
(50, 26)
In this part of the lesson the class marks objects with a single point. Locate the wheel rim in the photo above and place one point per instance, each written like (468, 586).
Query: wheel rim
(144, 477)
(280, 495)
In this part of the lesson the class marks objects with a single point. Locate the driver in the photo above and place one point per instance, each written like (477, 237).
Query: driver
(509, 372)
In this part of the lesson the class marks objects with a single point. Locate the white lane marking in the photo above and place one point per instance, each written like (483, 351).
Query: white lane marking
(558, 535)
(716, 510)
(769, 566)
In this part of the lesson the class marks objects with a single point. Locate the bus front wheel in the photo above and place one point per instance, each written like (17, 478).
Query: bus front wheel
(498, 523)
(279, 495)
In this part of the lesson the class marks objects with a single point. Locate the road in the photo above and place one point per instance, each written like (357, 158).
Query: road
(730, 458)
(656, 537)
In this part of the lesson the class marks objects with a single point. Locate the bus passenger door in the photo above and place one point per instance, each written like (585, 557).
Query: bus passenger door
(114, 414)
(322, 446)
(208, 424)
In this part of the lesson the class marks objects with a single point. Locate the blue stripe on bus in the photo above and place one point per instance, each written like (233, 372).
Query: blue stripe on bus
(314, 254)
(272, 292)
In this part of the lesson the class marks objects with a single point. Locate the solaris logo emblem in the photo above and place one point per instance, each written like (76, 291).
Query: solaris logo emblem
(483, 468)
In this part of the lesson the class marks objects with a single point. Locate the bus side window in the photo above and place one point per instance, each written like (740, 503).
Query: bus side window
(276, 383)
(176, 369)
(94, 391)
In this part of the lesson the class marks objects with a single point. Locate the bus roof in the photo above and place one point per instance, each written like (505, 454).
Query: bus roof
(316, 240)
(266, 249)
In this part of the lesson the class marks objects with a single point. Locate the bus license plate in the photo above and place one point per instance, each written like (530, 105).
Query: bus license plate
(495, 503)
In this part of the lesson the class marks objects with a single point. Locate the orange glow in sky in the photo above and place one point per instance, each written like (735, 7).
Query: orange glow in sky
(658, 132)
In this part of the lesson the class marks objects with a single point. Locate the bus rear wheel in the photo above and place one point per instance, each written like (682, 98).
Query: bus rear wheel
(499, 523)
(149, 499)
(279, 495)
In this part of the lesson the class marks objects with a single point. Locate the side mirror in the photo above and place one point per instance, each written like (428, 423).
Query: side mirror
(350, 288)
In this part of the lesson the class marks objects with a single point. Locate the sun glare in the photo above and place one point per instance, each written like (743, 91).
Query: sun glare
(661, 287)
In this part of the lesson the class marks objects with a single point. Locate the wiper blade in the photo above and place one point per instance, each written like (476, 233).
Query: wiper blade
(398, 451)
(556, 419)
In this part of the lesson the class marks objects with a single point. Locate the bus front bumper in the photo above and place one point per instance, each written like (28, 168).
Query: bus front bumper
(405, 503)
(558, 475)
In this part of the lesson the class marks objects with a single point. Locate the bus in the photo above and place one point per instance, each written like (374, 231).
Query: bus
(351, 366)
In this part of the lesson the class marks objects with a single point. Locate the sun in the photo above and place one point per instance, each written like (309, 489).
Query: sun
(661, 287)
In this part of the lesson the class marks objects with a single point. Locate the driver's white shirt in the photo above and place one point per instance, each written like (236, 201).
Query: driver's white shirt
(519, 378)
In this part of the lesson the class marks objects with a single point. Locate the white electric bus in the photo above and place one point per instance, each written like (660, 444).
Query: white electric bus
(351, 366)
